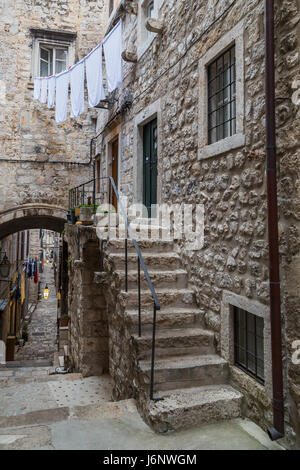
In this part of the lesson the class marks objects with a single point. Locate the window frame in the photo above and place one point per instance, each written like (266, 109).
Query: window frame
(51, 39)
(145, 37)
(218, 106)
(234, 37)
(52, 48)
(248, 350)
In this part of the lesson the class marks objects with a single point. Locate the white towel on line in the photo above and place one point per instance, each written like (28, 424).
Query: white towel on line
(112, 51)
(37, 88)
(77, 89)
(94, 78)
(62, 90)
(44, 90)
(51, 91)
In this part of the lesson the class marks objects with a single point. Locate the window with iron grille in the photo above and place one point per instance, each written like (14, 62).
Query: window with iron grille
(249, 343)
(222, 97)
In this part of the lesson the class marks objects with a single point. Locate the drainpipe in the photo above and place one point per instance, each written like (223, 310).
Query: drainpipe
(277, 431)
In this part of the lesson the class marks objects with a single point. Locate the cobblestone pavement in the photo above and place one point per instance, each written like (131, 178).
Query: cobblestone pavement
(42, 330)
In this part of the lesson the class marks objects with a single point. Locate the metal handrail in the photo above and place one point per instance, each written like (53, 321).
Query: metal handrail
(156, 304)
(140, 261)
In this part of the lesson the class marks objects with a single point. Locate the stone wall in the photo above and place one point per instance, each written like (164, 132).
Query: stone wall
(88, 326)
(28, 131)
(231, 184)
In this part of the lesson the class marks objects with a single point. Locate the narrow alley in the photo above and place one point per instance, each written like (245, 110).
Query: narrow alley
(150, 225)
(42, 328)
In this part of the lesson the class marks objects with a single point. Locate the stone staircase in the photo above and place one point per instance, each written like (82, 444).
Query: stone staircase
(191, 379)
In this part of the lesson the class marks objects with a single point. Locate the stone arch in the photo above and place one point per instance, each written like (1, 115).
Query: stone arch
(29, 216)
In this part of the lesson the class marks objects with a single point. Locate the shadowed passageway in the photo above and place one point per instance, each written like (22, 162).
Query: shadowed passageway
(42, 329)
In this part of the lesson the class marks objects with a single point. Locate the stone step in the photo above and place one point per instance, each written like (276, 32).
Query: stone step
(166, 297)
(153, 261)
(177, 278)
(145, 245)
(165, 318)
(183, 408)
(185, 371)
(175, 342)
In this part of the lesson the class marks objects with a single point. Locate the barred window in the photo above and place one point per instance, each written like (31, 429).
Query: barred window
(222, 97)
(249, 343)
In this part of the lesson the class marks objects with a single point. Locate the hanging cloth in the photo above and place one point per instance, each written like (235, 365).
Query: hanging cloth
(77, 89)
(22, 287)
(37, 88)
(62, 89)
(51, 92)
(93, 65)
(112, 45)
(44, 90)
(36, 276)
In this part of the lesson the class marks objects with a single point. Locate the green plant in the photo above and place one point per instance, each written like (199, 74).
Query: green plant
(63, 232)
(89, 205)
(25, 331)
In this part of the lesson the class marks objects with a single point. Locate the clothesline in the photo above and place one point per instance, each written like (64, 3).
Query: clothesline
(54, 88)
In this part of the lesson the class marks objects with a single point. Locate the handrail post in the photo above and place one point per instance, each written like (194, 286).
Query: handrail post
(139, 296)
(153, 352)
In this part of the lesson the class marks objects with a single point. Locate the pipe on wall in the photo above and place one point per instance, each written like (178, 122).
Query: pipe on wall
(277, 431)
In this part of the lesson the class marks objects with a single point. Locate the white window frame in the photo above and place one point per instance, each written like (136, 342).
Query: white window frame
(52, 49)
(40, 42)
(145, 37)
(237, 140)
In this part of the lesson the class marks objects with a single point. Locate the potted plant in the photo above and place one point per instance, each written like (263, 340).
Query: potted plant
(64, 320)
(87, 212)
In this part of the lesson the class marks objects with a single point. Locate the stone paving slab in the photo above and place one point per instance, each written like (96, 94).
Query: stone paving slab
(63, 391)
(118, 426)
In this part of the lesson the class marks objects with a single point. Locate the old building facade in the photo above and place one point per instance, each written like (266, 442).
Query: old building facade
(40, 159)
(209, 149)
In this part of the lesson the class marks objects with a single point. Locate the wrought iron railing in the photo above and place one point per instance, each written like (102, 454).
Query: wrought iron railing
(87, 192)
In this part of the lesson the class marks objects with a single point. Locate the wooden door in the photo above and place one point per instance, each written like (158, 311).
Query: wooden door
(150, 165)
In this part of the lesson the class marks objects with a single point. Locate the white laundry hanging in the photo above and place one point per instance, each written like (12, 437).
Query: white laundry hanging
(44, 90)
(37, 88)
(77, 89)
(51, 92)
(93, 64)
(112, 45)
(62, 90)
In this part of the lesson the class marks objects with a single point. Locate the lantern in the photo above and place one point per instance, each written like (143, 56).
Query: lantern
(46, 292)
(4, 267)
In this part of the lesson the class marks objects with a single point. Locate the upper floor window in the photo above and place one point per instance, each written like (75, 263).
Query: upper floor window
(221, 95)
(52, 51)
(221, 82)
(150, 14)
(52, 59)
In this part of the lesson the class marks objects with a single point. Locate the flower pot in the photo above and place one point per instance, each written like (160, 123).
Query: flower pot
(87, 214)
(63, 321)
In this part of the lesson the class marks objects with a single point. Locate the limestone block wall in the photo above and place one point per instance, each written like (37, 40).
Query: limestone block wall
(167, 82)
(88, 326)
(28, 131)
